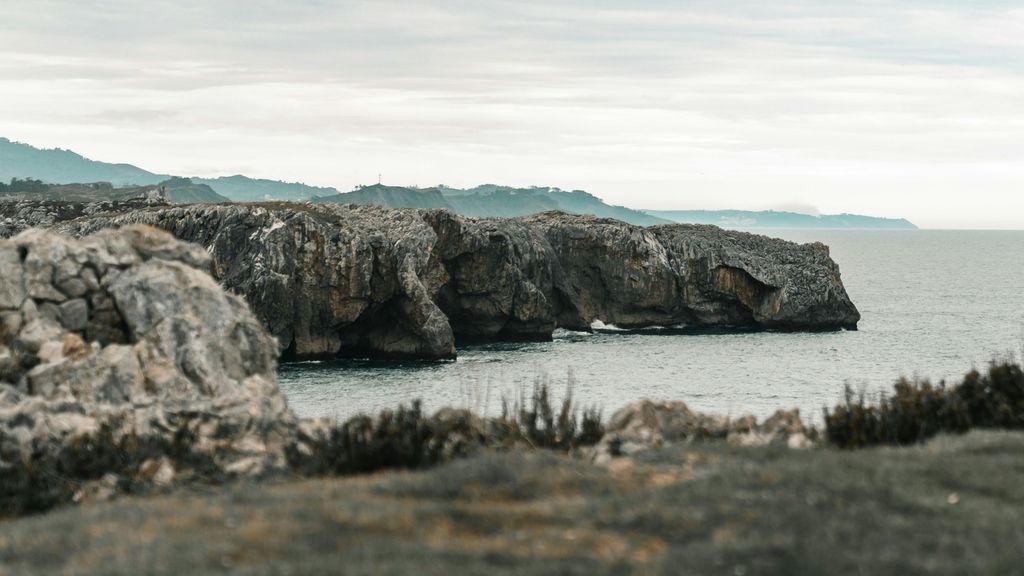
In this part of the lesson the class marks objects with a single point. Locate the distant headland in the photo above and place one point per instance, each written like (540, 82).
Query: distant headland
(743, 219)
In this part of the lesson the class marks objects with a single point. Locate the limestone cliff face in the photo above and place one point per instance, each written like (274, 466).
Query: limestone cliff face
(363, 280)
(323, 281)
(120, 355)
(747, 279)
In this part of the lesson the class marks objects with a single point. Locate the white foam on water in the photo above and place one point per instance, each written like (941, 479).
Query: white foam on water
(598, 324)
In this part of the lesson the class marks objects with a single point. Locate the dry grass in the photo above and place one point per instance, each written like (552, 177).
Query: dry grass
(950, 506)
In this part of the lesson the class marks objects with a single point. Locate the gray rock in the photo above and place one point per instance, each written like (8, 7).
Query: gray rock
(188, 389)
(92, 284)
(12, 293)
(10, 323)
(646, 424)
(29, 311)
(36, 333)
(49, 311)
(362, 280)
(784, 427)
(74, 314)
(18, 214)
(73, 287)
(8, 365)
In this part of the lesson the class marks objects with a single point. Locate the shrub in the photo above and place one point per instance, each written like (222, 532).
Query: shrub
(394, 439)
(26, 185)
(408, 439)
(919, 410)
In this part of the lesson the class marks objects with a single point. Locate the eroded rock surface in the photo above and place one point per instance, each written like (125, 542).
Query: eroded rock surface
(17, 215)
(363, 280)
(123, 363)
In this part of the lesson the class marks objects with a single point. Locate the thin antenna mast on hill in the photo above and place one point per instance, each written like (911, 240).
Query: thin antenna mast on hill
(378, 177)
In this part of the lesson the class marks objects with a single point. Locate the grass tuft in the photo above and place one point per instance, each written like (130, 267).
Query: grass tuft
(535, 422)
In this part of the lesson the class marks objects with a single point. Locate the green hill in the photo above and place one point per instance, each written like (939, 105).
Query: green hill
(491, 200)
(499, 201)
(188, 191)
(66, 168)
(244, 189)
(57, 166)
(390, 197)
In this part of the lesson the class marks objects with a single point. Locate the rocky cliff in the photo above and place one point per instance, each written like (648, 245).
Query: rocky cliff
(363, 280)
(115, 373)
(125, 367)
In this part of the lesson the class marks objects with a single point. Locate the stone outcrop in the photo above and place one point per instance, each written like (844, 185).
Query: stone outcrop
(646, 424)
(696, 275)
(124, 366)
(123, 363)
(361, 280)
(18, 214)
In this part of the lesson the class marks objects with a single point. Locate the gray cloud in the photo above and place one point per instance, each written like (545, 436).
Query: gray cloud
(898, 108)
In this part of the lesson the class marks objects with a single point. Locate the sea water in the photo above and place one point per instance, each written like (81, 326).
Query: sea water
(934, 304)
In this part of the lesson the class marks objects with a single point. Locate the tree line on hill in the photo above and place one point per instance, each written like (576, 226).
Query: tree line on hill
(26, 185)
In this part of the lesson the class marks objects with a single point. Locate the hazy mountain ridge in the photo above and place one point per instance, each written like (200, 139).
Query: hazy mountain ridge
(746, 219)
(500, 201)
(189, 191)
(244, 189)
(389, 197)
(65, 171)
(58, 166)
(177, 190)
(490, 200)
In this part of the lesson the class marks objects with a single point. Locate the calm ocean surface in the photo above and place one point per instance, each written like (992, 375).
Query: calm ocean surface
(934, 304)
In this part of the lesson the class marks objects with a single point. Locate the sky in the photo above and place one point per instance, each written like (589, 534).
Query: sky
(899, 108)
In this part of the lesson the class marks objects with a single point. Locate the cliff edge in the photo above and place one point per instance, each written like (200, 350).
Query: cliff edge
(397, 283)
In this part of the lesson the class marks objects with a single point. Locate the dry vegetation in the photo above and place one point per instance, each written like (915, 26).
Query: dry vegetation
(944, 503)
(950, 506)
(918, 410)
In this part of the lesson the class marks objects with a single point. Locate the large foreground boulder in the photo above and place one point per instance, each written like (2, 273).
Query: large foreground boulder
(124, 364)
(362, 280)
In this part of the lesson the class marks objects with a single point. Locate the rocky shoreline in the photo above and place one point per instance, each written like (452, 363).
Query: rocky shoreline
(124, 367)
(342, 280)
(127, 371)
